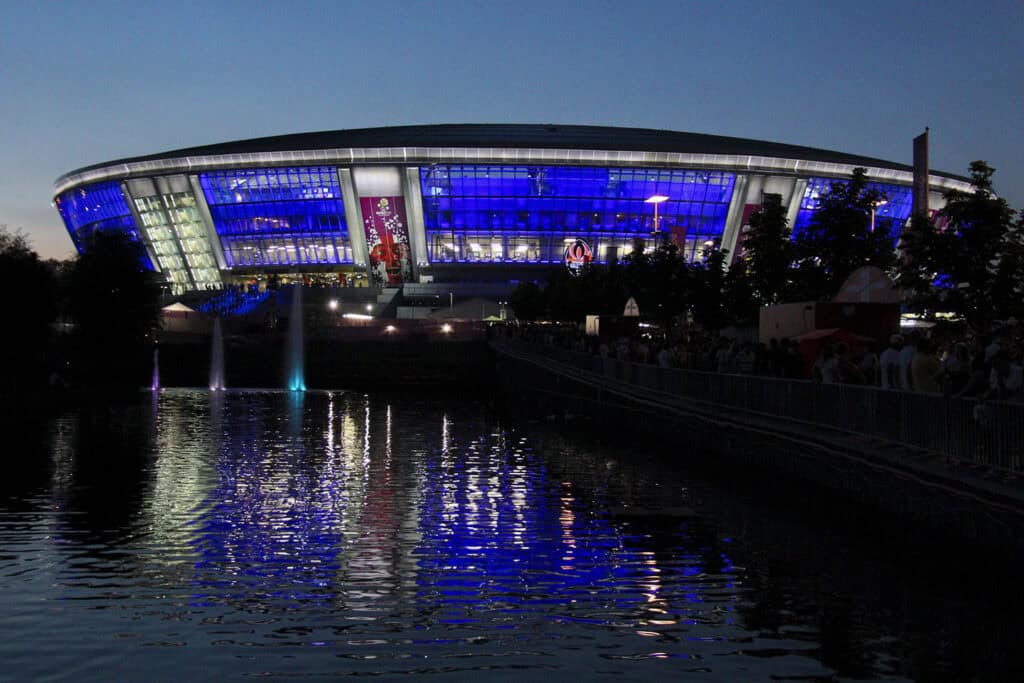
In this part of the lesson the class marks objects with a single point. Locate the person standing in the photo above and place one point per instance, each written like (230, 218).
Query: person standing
(723, 358)
(906, 360)
(745, 360)
(867, 363)
(924, 369)
(889, 363)
(955, 369)
(847, 371)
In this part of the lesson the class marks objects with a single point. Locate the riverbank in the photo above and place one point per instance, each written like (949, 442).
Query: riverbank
(359, 364)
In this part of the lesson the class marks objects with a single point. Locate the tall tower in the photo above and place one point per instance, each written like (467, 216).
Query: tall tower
(920, 198)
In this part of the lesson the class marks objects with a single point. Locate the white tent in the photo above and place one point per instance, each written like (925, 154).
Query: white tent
(177, 309)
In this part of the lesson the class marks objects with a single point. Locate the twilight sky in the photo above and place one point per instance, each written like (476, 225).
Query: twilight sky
(82, 83)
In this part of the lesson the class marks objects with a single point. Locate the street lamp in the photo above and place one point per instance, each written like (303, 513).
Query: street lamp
(656, 199)
(875, 205)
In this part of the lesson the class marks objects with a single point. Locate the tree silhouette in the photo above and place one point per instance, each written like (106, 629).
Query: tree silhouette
(527, 301)
(840, 239)
(114, 302)
(768, 253)
(31, 307)
(972, 266)
(659, 280)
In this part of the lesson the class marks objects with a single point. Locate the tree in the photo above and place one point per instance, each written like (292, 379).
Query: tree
(915, 274)
(1008, 285)
(115, 304)
(768, 253)
(659, 281)
(527, 301)
(709, 281)
(971, 266)
(840, 238)
(31, 306)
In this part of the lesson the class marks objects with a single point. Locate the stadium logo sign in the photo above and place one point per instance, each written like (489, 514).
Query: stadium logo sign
(577, 255)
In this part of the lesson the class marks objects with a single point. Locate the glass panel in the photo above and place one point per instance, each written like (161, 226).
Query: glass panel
(518, 214)
(894, 213)
(178, 237)
(278, 216)
(97, 207)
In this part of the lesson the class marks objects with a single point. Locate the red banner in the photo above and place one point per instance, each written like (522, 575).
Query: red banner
(387, 239)
(678, 236)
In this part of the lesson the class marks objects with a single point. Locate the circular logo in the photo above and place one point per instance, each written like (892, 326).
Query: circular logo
(577, 255)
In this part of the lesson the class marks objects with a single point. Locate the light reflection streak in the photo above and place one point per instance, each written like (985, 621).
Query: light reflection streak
(474, 526)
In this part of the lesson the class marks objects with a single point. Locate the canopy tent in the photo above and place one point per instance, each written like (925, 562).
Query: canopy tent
(178, 310)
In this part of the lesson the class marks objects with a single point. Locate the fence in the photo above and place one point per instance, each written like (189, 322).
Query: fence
(989, 433)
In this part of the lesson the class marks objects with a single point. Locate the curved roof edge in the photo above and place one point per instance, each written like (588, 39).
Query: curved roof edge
(507, 136)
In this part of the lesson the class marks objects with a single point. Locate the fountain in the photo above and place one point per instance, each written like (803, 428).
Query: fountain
(217, 358)
(155, 385)
(296, 380)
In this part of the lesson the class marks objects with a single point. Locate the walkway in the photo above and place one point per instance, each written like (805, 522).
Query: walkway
(934, 441)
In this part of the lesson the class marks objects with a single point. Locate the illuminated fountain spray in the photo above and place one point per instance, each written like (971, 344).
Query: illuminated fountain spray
(217, 358)
(293, 351)
(155, 385)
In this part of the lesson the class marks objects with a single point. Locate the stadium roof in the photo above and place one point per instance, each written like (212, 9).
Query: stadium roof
(537, 136)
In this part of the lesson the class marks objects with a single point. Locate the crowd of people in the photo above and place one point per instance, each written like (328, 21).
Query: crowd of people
(981, 367)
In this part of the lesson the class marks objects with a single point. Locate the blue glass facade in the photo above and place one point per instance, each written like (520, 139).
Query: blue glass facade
(278, 216)
(481, 213)
(96, 207)
(893, 214)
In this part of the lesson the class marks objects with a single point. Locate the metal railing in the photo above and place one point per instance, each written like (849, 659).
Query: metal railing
(988, 433)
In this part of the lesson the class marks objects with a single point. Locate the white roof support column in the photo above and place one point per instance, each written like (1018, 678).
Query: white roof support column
(158, 187)
(414, 214)
(354, 221)
(734, 215)
(207, 217)
(143, 235)
(795, 197)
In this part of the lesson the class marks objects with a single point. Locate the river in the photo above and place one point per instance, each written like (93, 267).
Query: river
(225, 535)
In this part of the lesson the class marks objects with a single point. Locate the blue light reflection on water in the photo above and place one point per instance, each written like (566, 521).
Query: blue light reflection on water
(310, 533)
(462, 532)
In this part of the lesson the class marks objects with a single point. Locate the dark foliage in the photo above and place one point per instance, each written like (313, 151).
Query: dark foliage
(973, 265)
(527, 301)
(768, 253)
(115, 305)
(660, 281)
(667, 289)
(30, 308)
(840, 239)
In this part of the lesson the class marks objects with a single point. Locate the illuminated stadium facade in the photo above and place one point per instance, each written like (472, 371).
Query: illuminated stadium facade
(451, 203)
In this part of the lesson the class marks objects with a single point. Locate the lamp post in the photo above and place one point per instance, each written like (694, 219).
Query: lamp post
(875, 205)
(656, 199)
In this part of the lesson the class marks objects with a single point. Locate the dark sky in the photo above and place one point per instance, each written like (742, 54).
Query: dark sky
(86, 82)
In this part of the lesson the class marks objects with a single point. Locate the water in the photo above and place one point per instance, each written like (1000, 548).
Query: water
(296, 379)
(226, 535)
(155, 383)
(217, 357)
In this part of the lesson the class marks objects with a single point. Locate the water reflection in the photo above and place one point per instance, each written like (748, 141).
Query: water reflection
(385, 535)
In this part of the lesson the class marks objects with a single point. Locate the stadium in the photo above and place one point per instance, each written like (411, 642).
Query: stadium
(449, 206)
